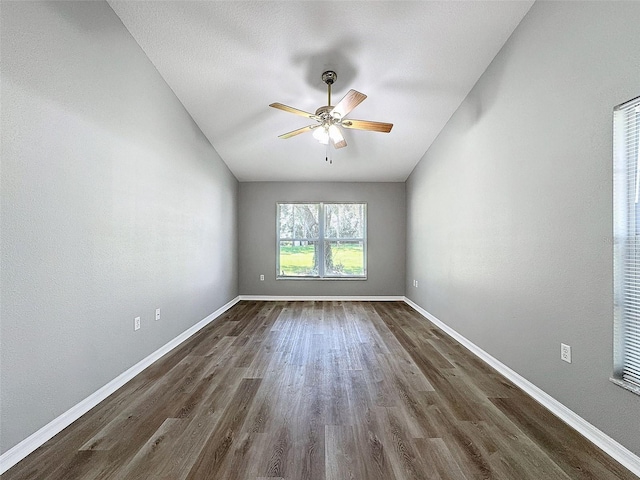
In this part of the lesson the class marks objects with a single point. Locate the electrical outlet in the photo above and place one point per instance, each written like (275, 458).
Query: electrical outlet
(416, 283)
(261, 278)
(136, 323)
(565, 352)
(157, 314)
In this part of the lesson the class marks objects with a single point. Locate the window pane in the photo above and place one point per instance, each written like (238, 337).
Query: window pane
(345, 220)
(344, 258)
(305, 220)
(331, 221)
(298, 259)
(286, 220)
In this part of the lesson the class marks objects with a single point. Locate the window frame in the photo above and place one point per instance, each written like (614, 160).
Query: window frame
(626, 231)
(322, 275)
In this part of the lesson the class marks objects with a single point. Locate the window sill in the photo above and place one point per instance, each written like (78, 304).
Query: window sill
(323, 279)
(626, 385)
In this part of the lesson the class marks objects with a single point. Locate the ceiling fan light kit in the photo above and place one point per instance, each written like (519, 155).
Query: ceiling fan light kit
(330, 118)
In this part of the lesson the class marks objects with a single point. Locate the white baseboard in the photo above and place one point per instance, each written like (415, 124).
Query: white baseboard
(29, 444)
(593, 434)
(325, 298)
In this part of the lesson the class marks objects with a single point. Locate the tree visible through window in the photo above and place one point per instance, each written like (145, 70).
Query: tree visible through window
(322, 240)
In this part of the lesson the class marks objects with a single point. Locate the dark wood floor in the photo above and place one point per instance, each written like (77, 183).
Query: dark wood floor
(319, 390)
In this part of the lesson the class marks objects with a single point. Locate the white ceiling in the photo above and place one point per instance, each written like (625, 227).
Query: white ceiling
(227, 61)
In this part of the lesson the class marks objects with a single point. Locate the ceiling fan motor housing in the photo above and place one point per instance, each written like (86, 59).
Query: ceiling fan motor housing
(329, 77)
(326, 117)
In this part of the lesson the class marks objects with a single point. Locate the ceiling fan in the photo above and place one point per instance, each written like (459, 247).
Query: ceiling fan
(331, 118)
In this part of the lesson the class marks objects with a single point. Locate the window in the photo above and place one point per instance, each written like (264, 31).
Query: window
(322, 240)
(626, 214)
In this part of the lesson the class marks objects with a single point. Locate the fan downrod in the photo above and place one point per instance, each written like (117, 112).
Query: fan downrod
(329, 77)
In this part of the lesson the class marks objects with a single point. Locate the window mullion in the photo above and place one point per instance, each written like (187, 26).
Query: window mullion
(321, 216)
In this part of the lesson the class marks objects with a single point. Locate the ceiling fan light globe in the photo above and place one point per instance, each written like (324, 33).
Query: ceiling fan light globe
(334, 133)
(321, 135)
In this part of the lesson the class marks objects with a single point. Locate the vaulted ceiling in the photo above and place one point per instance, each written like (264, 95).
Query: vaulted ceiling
(227, 61)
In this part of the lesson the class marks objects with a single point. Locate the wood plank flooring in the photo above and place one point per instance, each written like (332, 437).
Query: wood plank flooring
(319, 391)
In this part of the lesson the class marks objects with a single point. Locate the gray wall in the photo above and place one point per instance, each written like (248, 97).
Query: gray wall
(510, 211)
(386, 227)
(113, 204)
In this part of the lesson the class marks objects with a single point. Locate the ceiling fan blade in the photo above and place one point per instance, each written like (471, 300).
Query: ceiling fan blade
(337, 139)
(289, 109)
(298, 131)
(350, 101)
(368, 125)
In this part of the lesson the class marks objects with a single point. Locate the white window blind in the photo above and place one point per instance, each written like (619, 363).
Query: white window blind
(626, 132)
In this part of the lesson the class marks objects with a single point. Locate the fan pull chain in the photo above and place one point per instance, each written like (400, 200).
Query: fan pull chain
(327, 156)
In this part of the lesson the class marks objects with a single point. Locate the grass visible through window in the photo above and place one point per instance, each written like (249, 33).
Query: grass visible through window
(348, 259)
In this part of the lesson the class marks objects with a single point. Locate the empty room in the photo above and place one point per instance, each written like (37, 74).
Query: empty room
(321, 240)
